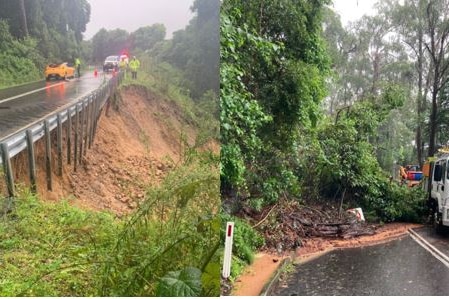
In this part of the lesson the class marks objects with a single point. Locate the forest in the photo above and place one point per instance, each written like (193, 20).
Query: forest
(315, 113)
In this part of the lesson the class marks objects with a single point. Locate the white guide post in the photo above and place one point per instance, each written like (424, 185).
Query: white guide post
(228, 250)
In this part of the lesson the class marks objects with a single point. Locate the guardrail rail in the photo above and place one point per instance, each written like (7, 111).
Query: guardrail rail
(80, 121)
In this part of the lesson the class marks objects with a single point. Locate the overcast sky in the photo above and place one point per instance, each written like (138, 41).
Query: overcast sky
(132, 14)
(351, 10)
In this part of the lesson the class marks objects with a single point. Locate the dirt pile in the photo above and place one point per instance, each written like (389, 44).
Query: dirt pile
(287, 224)
(135, 146)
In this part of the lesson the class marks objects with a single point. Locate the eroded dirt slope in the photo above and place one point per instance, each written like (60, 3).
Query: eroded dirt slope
(134, 147)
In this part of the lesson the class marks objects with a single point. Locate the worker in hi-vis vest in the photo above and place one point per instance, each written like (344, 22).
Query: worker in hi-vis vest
(78, 66)
(123, 66)
(134, 65)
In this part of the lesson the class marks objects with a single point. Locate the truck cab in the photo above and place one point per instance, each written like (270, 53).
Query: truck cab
(439, 194)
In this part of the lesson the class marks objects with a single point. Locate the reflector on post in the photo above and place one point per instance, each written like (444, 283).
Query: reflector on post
(228, 250)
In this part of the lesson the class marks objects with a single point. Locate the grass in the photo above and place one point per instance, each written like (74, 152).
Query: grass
(49, 249)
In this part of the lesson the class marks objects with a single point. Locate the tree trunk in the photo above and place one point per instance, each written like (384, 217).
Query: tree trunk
(419, 100)
(433, 123)
(23, 16)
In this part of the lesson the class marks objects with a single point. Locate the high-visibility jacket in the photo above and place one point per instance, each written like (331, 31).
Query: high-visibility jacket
(134, 64)
(77, 62)
(122, 64)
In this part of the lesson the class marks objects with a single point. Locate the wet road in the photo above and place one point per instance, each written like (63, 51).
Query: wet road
(400, 267)
(40, 99)
(439, 241)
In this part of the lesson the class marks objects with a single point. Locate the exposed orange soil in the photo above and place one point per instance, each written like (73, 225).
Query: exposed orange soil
(252, 281)
(133, 148)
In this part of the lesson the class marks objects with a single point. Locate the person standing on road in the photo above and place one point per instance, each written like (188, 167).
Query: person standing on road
(134, 65)
(78, 66)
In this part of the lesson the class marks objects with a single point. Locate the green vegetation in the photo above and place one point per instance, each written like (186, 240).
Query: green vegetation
(195, 50)
(313, 112)
(52, 249)
(19, 60)
(35, 33)
(272, 76)
(55, 249)
(175, 220)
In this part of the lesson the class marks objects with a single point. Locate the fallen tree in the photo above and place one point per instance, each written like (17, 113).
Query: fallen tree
(286, 224)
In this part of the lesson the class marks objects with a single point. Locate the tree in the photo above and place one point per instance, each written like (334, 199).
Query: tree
(113, 42)
(409, 22)
(23, 15)
(273, 67)
(195, 50)
(146, 37)
(59, 35)
(437, 47)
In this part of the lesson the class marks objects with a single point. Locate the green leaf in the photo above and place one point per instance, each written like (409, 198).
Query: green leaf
(184, 283)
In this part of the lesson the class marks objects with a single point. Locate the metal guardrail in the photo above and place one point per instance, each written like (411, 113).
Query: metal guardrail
(80, 120)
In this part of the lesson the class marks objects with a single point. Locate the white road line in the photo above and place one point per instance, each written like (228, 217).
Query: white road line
(29, 92)
(430, 248)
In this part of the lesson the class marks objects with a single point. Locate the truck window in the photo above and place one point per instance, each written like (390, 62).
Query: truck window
(437, 172)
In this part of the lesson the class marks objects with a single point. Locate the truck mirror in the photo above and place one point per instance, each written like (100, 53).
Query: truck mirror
(437, 173)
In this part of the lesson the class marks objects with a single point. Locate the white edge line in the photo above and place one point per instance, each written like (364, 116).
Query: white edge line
(29, 92)
(430, 248)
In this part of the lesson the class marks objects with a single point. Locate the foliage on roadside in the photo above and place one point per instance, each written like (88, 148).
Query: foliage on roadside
(347, 167)
(174, 229)
(52, 249)
(19, 59)
(272, 82)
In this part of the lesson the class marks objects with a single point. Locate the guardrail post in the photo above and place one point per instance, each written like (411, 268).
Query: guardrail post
(48, 154)
(7, 169)
(82, 116)
(59, 143)
(75, 146)
(86, 125)
(97, 112)
(69, 137)
(92, 121)
(31, 160)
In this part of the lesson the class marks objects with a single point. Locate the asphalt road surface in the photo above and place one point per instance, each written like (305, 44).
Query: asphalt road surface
(439, 241)
(400, 267)
(21, 106)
